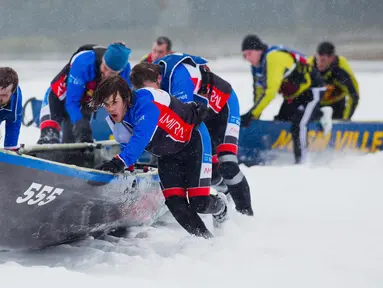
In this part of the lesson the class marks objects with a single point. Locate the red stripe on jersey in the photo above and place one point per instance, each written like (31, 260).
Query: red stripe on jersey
(298, 58)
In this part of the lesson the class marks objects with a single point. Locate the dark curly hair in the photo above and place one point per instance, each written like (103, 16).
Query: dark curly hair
(111, 87)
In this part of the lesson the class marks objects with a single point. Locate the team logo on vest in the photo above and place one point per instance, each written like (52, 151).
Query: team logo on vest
(172, 124)
(59, 86)
(216, 98)
(216, 101)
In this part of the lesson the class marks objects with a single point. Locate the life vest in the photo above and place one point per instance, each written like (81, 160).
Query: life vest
(294, 78)
(59, 83)
(213, 90)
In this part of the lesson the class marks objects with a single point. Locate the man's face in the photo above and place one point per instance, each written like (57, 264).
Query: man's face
(159, 51)
(252, 56)
(5, 95)
(116, 108)
(324, 61)
(106, 72)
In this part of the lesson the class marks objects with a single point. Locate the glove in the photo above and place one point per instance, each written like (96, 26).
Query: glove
(114, 166)
(82, 131)
(246, 119)
(201, 112)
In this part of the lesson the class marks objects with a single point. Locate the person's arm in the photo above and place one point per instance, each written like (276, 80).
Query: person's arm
(81, 72)
(350, 86)
(277, 63)
(146, 119)
(12, 128)
(145, 122)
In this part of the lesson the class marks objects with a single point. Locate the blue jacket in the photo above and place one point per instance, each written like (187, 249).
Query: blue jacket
(83, 70)
(12, 115)
(193, 82)
(176, 79)
(156, 122)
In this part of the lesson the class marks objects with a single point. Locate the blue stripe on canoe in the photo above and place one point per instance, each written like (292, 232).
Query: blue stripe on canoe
(50, 167)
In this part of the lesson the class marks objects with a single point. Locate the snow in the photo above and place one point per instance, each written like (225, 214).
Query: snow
(315, 225)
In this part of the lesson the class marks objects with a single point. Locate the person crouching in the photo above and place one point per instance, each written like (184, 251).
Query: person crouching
(150, 119)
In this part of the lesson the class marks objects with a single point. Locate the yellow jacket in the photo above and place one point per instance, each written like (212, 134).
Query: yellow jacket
(280, 71)
(341, 83)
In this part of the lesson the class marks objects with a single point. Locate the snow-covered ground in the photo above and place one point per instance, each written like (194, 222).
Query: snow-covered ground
(315, 225)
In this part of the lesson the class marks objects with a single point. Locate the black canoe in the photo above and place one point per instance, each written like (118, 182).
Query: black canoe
(44, 203)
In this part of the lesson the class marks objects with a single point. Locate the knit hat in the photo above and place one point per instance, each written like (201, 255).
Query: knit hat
(252, 42)
(116, 56)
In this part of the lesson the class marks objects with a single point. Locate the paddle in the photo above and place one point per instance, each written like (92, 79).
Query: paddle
(65, 146)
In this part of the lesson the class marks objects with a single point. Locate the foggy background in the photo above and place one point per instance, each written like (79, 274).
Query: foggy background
(210, 28)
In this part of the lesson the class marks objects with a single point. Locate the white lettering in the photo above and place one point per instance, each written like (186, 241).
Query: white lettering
(215, 99)
(36, 193)
(173, 127)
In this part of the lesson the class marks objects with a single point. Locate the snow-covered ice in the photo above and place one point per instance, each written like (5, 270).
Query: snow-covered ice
(315, 225)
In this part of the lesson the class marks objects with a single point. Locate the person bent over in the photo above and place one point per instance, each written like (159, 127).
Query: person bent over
(342, 93)
(189, 78)
(65, 106)
(150, 119)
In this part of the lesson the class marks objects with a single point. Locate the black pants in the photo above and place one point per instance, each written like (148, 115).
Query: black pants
(300, 112)
(53, 114)
(185, 181)
(224, 130)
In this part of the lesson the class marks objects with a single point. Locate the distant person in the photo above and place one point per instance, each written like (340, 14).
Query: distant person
(342, 93)
(11, 109)
(161, 47)
(277, 69)
(65, 106)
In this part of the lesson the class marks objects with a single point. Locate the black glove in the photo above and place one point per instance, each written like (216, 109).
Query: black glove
(82, 131)
(246, 119)
(201, 112)
(115, 166)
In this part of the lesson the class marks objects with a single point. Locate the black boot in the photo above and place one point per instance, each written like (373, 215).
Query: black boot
(49, 135)
(82, 131)
(240, 193)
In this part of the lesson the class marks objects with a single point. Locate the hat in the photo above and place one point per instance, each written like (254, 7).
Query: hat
(116, 56)
(326, 48)
(252, 42)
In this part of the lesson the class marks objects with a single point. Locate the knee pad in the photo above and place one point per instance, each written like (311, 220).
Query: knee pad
(200, 203)
(228, 170)
(176, 205)
(205, 204)
(231, 173)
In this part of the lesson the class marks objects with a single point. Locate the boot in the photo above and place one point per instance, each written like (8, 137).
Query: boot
(221, 216)
(49, 135)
